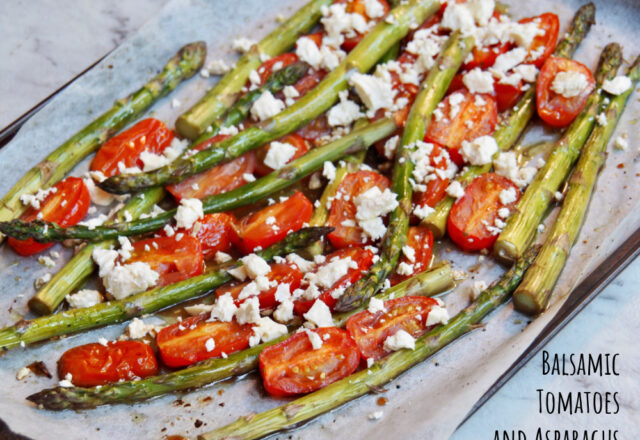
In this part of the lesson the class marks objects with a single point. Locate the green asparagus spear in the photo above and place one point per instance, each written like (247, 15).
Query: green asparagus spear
(523, 224)
(112, 312)
(532, 296)
(427, 283)
(47, 173)
(433, 90)
(510, 129)
(380, 373)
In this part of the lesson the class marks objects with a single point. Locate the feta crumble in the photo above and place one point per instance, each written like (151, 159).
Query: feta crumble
(84, 298)
(480, 151)
(569, 84)
(399, 340)
(266, 106)
(617, 85)
(279, 154)
(319, 314)
(189, 212)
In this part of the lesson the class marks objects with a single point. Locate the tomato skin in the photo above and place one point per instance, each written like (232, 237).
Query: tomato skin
(351, 187)
(485, 57)
(174, 260)
(282, 273)
(507, 95)
(217, 180)
(315, 130)
(420, 239)
(550, 24)
(370, 330)
(267, 67)
(555, 109)
(292, 139)
(218, 232)
(361, 256)
(75, 193)
(436, 188)
(358, 7)
(289, 215)
(308, 82)
(184, 343)
(294, 367)
(149, 135)
(95, 364)
(479, 204)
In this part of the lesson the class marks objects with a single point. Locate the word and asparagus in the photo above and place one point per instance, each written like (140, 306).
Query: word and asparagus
(279, 240)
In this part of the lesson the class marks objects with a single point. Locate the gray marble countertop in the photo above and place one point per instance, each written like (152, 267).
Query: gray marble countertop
(46, 43)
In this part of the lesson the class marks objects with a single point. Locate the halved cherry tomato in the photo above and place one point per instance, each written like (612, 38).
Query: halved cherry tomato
(436, 188)
(308, 82)
(217, 232)
(343, 208)
(555, 109)
(472, 120)
(274, 64)
(358, 7)
(315, 130)
(292, 139)
(507, 95)
(96, 364)
(363, 259)
(473, 213)
(370, 330)
(272, 223)
(185, 343)
(294, 367)
(456, 83)
(281, 273)
(216, 180)
(420, 239)
(149, 135)
(175, 260)
(550, 24)
(485, 56)
(66, 207)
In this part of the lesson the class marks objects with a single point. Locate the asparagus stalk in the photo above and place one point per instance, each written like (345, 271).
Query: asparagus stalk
(514, 124)
(47, 173)
(362, 58)
(380, 373)
(252, 192)
(532, 296)
(112, 312)
(427, 283)
(523, 223)
(433, 90)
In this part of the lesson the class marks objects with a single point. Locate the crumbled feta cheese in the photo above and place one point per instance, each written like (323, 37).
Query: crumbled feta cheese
(125, 280)
(371, 205)
(376, 415)
(423, 212)
(248, 312)
(373, 8)
(376, 305)
(98, 196)
(455, 190)
(390, 146)
(399, 340)
(302, 264)
(329, 171)
(476, 289)
(67, 382)
(248, 177)
(405, 269)
(125, 248)
(458, 16)
(409, 252)
(284, 311)
(621, 143)
(23, 372)
(279, 154)
(343, 113)
(34, 200)
(239, 273)
(314, 338)
(218, 67)
(224, 309)
(255, 266)
(84, 298)
(209, 345)
(601, 119)
(319, 314)
(478, 81)
(267, 330)
(438, 314)
(137, 329)
(508, 61)
(506, 164)
(308, 51)
(480, 151)
(339, 24)
(242, 45)
(504, 212)
(198, 309)
(189, 212)
(374, 92)
(290, 92)
(617, 85)
(508, 196)
(569, 84)
(528, 72)
(266, 106)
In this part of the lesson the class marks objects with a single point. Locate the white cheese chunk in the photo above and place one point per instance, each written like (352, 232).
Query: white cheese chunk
(138, 329)
(376, 305)
(480, 151)
(617, 85)
(373, 8)
(34, 200)
(279, 154)
(218, 67)
(224, 309)
(309, 52)
(329, 171)
(255, 266)
(84, 298)
(126, 280)
(478, 81)
(399, 340)
(621, 143)
(248, 312)
(508, 196)
(319, 314)
(242, 44)
(569, 84)
(438, 314)
(343, 113)
(266, 106)
(209, 345)
(189, 212)
(267, 330)
(374, 92)
(455, 189)
(314, 338)
(98, 196)
(508, 61)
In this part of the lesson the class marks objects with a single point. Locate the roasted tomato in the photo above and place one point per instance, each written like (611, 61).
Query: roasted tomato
(96, 364)
(217, 233)
(363, 259)
(370, 330)
(358, 7)
(556, 109)
(420, 239)
(174, 260)
(437, 187)
(464, 117)
(66, 206)
(315, 130)
(308, 82)
(485, 56)
(185, 343)
(342, 215)
(544, 44)
(507, 95)
(148, 135)
(275, 64)
(272, 223)
(281, 273)
(294, 140)
(473, 216)
(294, 367)
(219, 179)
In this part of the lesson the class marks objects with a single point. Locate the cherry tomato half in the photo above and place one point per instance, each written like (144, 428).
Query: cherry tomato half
(543, 45)
(420, 239)
(292, 139)
(315, 130)
(217, 232)
(358, 7)
(507, 95)
(436, 188)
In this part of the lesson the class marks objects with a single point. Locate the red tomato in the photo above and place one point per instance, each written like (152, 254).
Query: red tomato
(292, 139)
(436, 188)
(217, 233)
(507, 95)
(66, 207)
(174, 260)
(555, 109)
(316, 37)
(147, 135)
(308, 82)
(550, 24)
(477, 209)
(471, 121)
(485, 57)
(259, 230)
(370, 330)
(420, 239)
(275, 64)
(315, 130)
(363, 259)
(344, 209)
(185, 343)
(281, 273)
(456, 83)
(96, 364)
(358, 7)
(219, 179)
(294, 367)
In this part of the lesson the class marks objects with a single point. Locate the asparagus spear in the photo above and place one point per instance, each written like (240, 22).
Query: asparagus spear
(47, 173)
(512, 126)
(522, 225)
(433, 90)
(532, 296)
(112, 312)
(355, 141)
(362, 58)
(427, 283)
(383, 371)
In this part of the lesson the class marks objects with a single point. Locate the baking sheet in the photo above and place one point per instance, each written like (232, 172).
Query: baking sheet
(426, 403)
